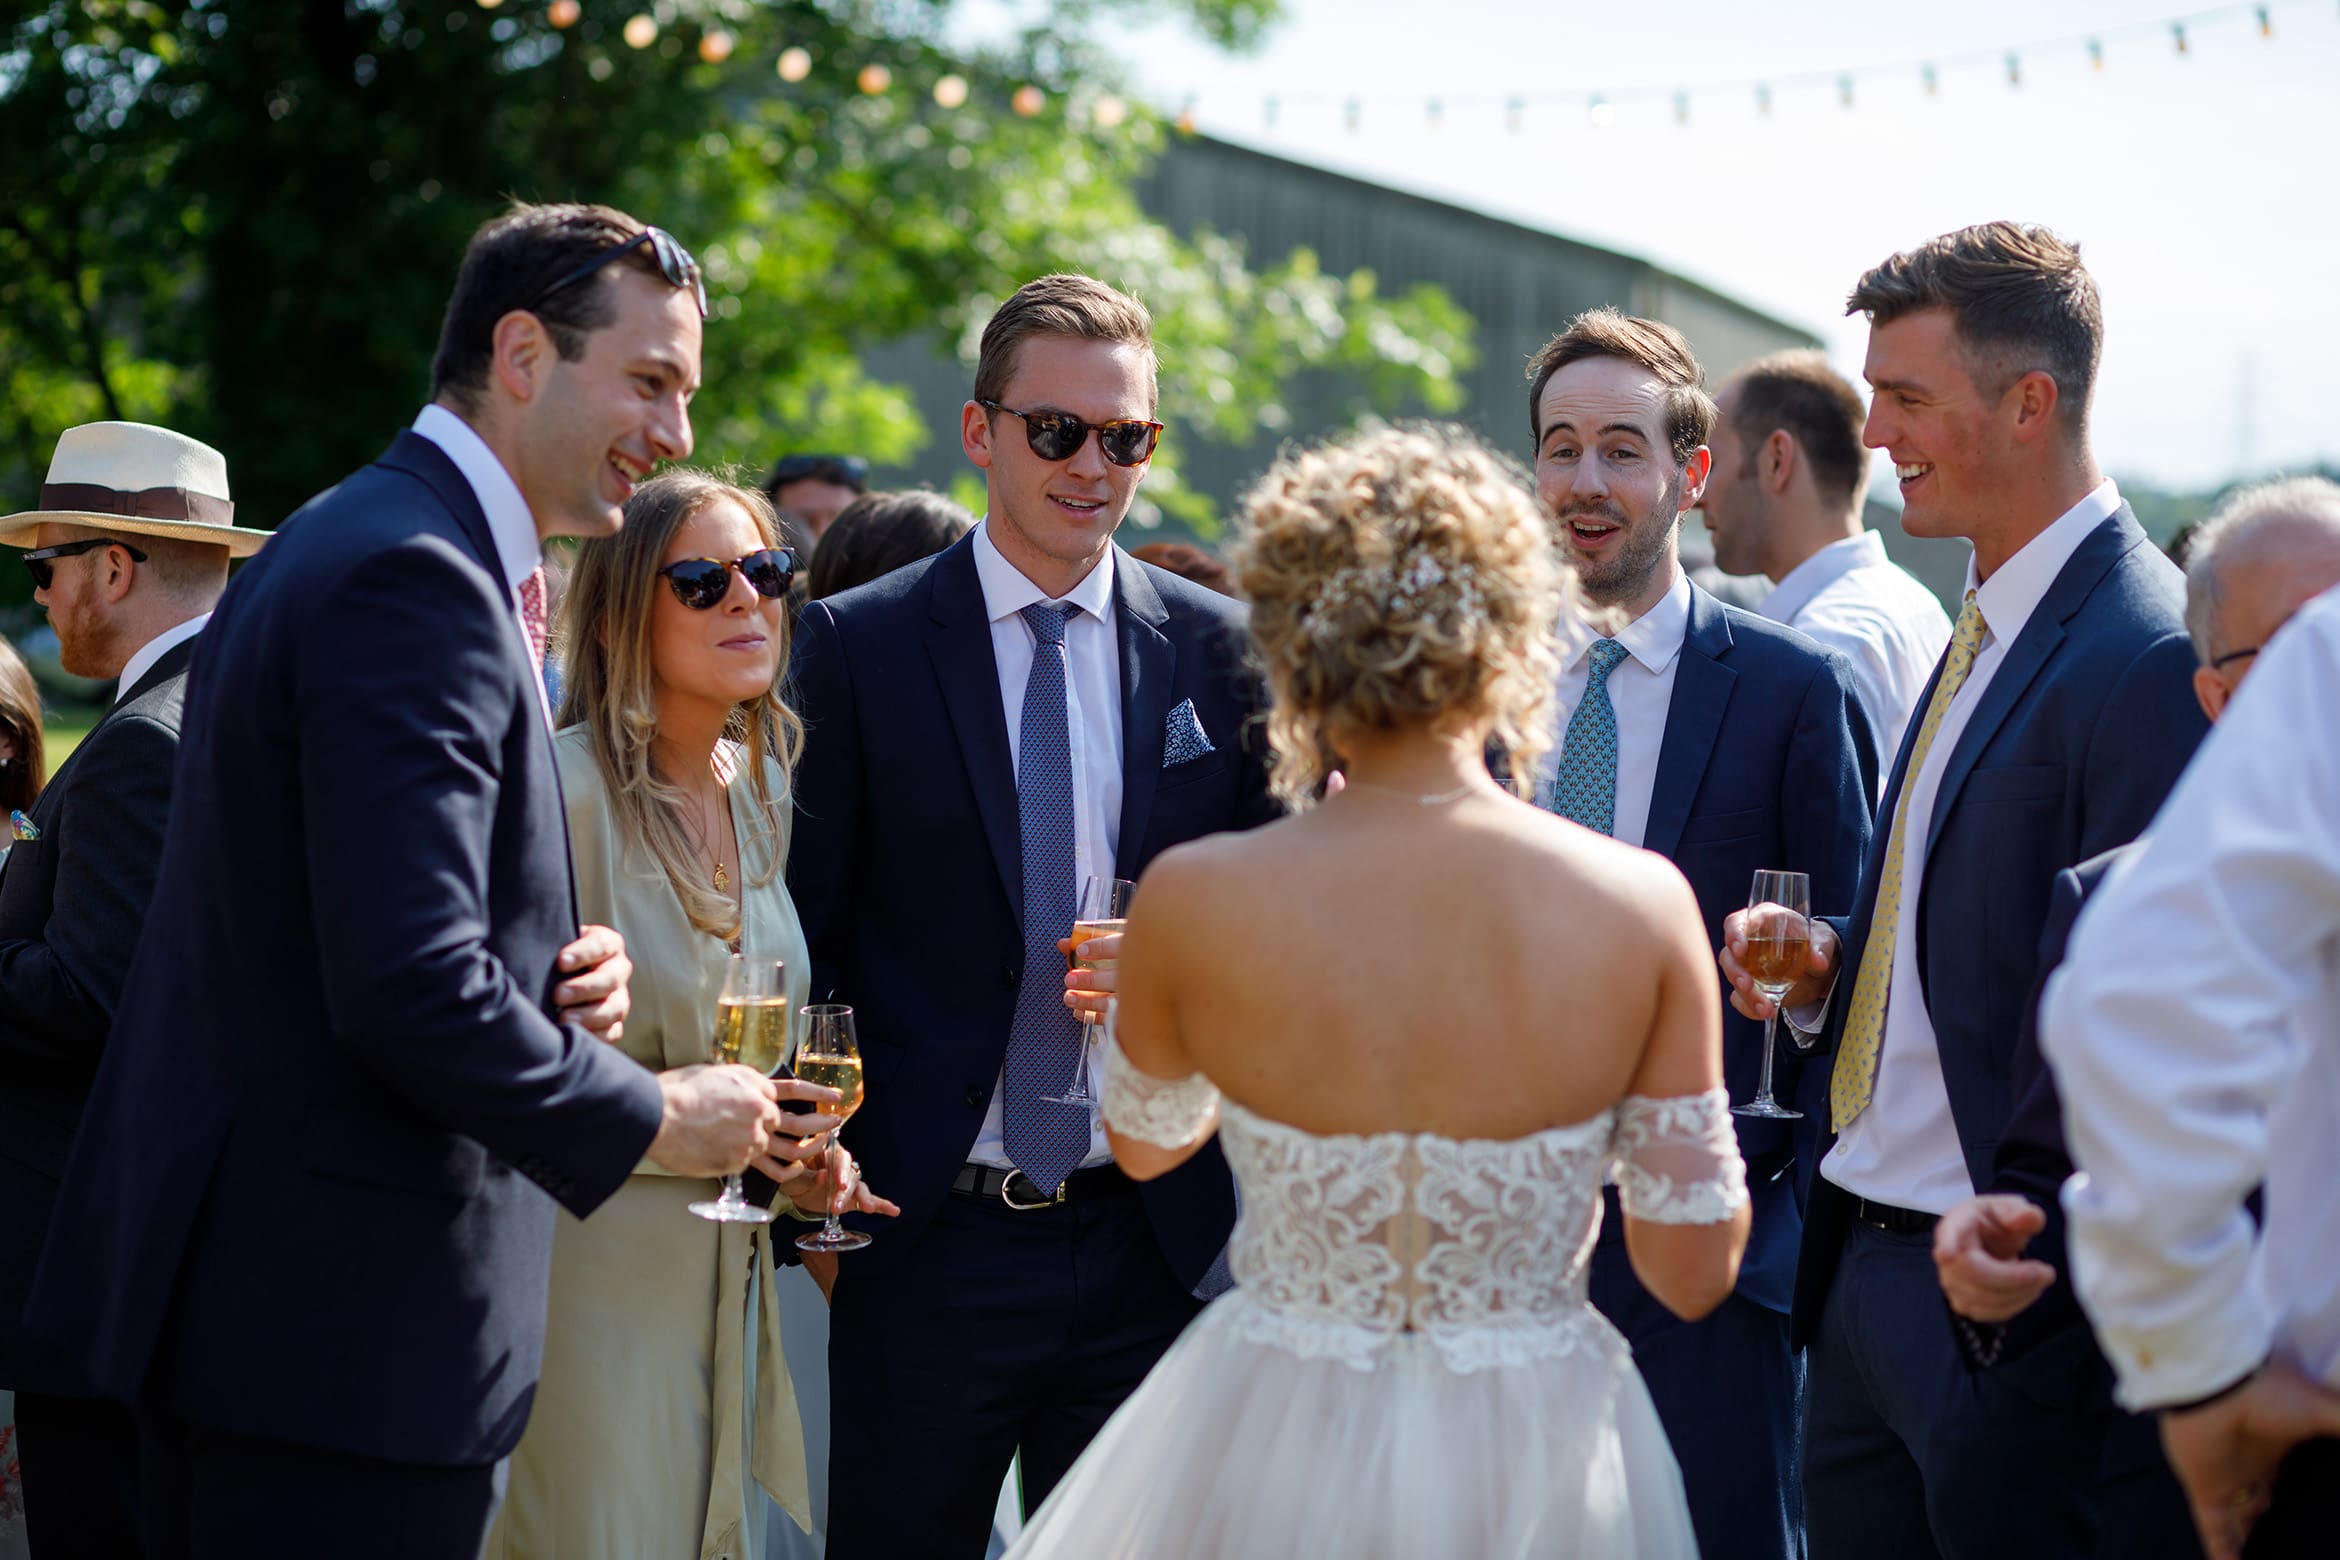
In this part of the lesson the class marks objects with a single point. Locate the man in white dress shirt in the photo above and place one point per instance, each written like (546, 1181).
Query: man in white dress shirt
(2193, 1033)
(2062, 713)
(1784, 501)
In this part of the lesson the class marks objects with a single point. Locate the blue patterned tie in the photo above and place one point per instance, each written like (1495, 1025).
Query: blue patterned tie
(1044, 1140)
(1585, 790)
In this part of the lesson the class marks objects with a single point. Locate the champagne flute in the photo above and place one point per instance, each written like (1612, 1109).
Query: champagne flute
(831, 1057)
(1779, 935)
(1104, 908)
(751, 1029)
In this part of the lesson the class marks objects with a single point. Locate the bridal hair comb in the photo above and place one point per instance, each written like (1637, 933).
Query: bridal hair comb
(1396, 592)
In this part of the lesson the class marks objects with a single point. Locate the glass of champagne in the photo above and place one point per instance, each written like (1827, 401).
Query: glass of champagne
(751, 1029)
(831, 1057)
(1104, 908)
(1779, 934)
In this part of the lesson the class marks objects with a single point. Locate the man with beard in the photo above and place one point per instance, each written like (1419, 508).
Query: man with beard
(1729, 745)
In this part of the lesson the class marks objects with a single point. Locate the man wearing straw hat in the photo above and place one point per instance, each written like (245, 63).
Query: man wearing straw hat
(129, 551)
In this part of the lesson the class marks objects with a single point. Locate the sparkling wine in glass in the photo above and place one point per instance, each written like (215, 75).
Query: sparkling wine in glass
(1779, 935)
(1104, 909)
(751, 1029)
(831, 1057)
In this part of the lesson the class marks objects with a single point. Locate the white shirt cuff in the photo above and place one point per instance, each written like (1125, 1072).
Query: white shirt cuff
(2186, 1361)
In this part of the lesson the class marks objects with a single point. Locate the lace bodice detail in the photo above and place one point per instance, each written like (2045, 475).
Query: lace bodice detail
(1349, 1242)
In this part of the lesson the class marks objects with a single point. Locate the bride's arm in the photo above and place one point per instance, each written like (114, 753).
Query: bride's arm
(1686, 1211)
(1156, 1110)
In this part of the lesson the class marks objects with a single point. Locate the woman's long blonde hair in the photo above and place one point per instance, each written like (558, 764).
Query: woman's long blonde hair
(604, 639)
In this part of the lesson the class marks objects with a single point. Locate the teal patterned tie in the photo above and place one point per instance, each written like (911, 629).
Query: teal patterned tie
(1585, 790)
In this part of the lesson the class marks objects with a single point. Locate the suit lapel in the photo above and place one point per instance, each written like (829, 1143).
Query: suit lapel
(1694, 716)
(959, 641)
(2098, 551)
(1149, 666)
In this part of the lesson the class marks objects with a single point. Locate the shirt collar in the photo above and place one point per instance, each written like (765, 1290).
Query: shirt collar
(510, 524)
(2013, 592)
(1655, 637)
(1815, 574)
(143, 658)
(1006, 590)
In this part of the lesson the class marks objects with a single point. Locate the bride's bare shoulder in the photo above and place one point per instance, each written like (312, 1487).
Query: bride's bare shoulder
(1619, 880)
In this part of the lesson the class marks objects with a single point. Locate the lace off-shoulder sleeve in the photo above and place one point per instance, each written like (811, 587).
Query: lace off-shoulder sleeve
(1168, 1113)
(1678, 1159)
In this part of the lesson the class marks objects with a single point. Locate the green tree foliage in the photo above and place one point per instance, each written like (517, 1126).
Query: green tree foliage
(242, 218)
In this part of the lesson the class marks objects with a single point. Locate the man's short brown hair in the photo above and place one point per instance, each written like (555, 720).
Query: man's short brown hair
(1799, 394)
(1062, 305)
(2020, 298)
(1659, 348)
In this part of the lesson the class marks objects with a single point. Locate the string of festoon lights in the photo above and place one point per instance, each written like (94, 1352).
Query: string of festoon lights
(1104, 111)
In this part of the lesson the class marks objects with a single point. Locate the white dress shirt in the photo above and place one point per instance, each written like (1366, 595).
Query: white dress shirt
(1092, 655)
(2195, 1031)
(1903, 1149)
(1850, 597)
(1641, 691)
(143, 658)
(511, 524)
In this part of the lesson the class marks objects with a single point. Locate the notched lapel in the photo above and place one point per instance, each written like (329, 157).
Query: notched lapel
(1149, 667)
(959, 641)
(1694, 717)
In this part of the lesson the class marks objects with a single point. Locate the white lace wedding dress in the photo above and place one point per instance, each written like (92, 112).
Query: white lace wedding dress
(1408, 1366)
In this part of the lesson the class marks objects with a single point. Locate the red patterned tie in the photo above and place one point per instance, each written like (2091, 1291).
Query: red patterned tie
(533, 617)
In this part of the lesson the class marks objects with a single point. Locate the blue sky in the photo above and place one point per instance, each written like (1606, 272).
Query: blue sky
(2201, 186)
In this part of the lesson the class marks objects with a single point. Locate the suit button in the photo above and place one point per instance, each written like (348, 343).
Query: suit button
(1008, 976)
(975, 1093)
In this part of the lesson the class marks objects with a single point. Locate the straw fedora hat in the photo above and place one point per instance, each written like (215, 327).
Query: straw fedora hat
(139, 480)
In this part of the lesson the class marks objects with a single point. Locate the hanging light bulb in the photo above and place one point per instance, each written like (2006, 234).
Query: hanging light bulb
(1601, 113)
(1763, 97)
(1844, 86)
(1681, 108)
(715, 47)
(2014, 71)
(1514, 114)
(2177, 33)
(950, 91)
(795, 64)
(1435, 112)
(873, 79)
(489, 5)
(1352, 112)
(563, 13)
(1184, 123)
(641, 31)
(1028, 101)
(2096, 54)
(1933, 80)
(2266, 23)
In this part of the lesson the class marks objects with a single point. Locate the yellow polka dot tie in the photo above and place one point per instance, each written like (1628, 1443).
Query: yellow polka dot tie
(1855, 1077)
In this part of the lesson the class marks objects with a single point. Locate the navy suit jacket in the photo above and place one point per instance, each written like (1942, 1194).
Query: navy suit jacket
(1765, 763)
(309, 1197)
(71, 904)
(906, 863)
(2084, 728)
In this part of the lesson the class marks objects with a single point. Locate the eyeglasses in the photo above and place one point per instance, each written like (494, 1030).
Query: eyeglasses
(1125, 441)
(674, 263)
(36, 562)
(844, 470)
(2234, 655)
(702, 583)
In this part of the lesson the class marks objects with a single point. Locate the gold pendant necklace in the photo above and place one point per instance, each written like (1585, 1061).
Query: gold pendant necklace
(722, 879)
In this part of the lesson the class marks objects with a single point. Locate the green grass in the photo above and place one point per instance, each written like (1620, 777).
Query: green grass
(62, 731)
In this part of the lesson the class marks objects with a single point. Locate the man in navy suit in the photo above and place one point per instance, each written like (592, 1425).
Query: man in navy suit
(1728, 744)
(2059, 718)
(984, 729)
(307, 1223)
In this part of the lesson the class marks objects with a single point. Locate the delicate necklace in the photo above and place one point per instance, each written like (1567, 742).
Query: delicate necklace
(1418, 798)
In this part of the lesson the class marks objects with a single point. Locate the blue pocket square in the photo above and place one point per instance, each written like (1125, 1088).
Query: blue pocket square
(1183, 737)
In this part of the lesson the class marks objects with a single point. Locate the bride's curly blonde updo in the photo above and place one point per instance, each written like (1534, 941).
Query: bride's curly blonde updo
(1401, 577)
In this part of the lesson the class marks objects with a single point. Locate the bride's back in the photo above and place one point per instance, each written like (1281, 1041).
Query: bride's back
(1472, 968)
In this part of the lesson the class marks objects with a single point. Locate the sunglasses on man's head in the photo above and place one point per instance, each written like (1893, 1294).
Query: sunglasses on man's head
(674, 263)
(37, 561)
(702, 583)
(1125, 441)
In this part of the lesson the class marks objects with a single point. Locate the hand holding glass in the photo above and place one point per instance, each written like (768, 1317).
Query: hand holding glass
(1779, 941)
(1104, 908)
(831, 1057)
(751, 1030)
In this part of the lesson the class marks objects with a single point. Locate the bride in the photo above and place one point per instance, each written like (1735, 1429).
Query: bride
(1427, 1021)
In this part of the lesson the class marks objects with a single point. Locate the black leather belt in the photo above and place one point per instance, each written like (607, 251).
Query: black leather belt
(1017, 1191)
(1895, 1221)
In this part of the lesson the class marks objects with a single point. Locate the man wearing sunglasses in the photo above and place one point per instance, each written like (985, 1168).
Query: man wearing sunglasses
(128, 550)
(984, 729)
(307, 1226)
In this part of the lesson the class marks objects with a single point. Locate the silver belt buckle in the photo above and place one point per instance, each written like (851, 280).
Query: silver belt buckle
(1007, 1192)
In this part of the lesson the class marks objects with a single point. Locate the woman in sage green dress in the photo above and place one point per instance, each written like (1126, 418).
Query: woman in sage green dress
(665, 1400)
